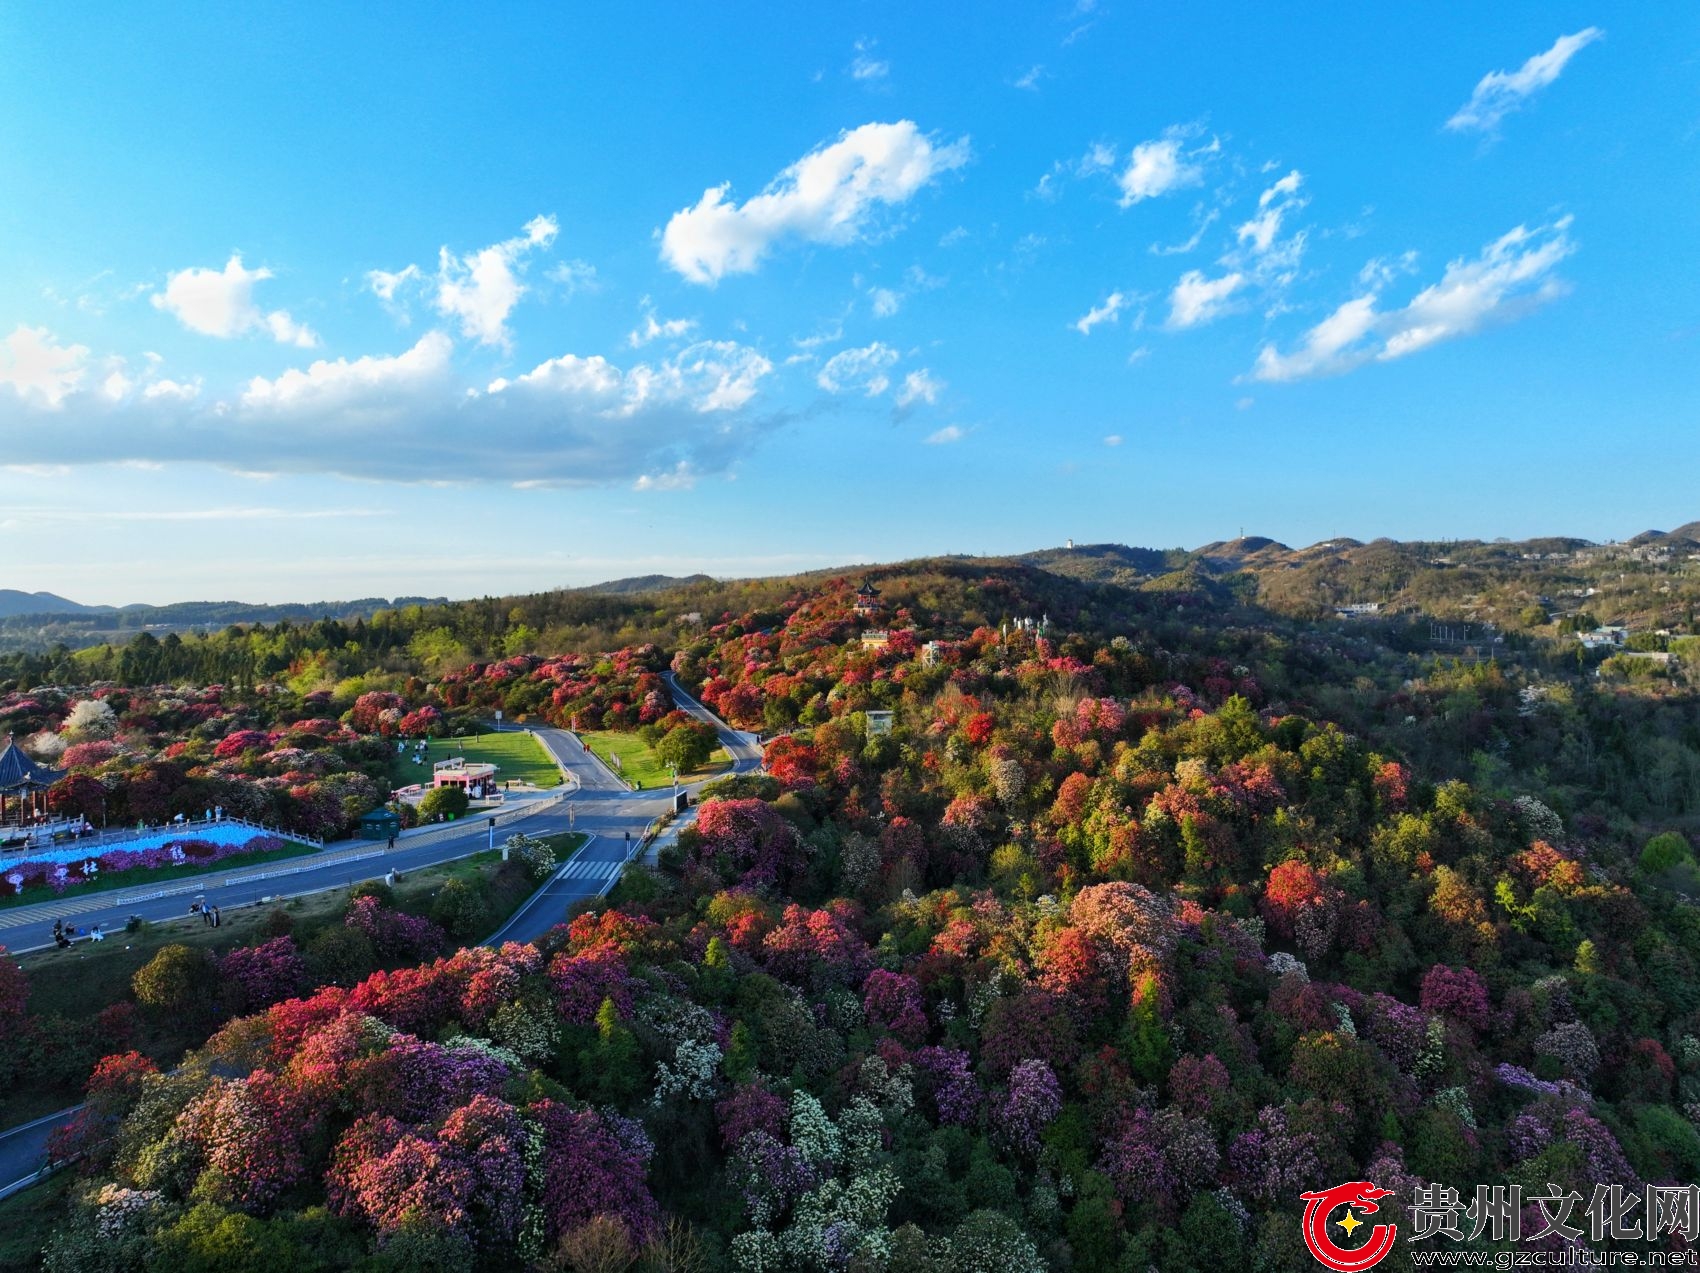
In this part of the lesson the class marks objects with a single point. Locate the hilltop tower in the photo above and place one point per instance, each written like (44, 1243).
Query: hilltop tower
(868, 604)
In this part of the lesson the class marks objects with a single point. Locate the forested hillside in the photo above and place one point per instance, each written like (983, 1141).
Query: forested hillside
(1141, 914)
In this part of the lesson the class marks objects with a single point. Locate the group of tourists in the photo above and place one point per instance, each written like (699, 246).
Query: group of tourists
(64, 934)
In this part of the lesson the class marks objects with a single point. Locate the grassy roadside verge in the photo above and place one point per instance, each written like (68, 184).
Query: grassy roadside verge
(27, 1218)
(641, 765)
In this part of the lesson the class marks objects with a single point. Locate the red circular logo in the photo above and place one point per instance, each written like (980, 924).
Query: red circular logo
(1357, 1195)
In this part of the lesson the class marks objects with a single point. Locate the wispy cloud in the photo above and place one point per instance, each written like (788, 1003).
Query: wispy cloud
(1107, 312)
(1197, 300)
(950, 433)
(866, 369)
(865, 66)
(920, 386)
(1501, 92)
(1509, 277)
(830, 196)
(653, 328)
(1181, 249)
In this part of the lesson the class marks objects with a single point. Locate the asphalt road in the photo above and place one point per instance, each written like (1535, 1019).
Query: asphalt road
(616, 819)
(594, 801)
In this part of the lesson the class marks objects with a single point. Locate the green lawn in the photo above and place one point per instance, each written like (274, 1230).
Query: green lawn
(142, 876)
(27, 1220)
(639, 764)
(516, 755)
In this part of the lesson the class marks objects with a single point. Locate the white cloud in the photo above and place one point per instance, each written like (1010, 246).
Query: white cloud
(829, 196)
(480, 290)
(1509, 277)
(570, 421)
(1198, 300)
(920, 386)
(1112, 439)
(1501, 92)
(331, 387)
(1285, 188)
(865, 66)
(173, 390)
(221, 303)
(1273, 205)
(1108, 312)
(386, 285)
(950, 433)
(711, 376)
(1030, 79)
(654, 328)
(38, 368)
(865, 369)
(1157, 167)
(1271, 260)
(885, 301)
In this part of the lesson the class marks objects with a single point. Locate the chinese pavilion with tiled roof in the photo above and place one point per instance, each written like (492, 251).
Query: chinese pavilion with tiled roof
(867, 599)
(23, 785)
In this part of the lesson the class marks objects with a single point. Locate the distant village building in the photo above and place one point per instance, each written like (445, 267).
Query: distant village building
(1040, 625)
(1663, 658)
(1604, 638)
(876, 639)
(879, 723)
(1357, 610)
(868, 600)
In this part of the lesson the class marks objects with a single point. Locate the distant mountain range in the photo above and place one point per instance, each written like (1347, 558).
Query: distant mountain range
(1477, 579)
(13, 602)
(16, 605)
(646, 583)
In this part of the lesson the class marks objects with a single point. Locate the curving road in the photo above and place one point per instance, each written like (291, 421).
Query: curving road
(616, 819)
(592, 800)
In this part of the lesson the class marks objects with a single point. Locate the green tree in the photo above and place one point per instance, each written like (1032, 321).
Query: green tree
(176, 980)
(461, 909)
(1664, 852)
(687, 746)
(450, 802)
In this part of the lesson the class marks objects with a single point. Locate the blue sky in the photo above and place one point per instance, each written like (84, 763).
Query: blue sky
(333, 303)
